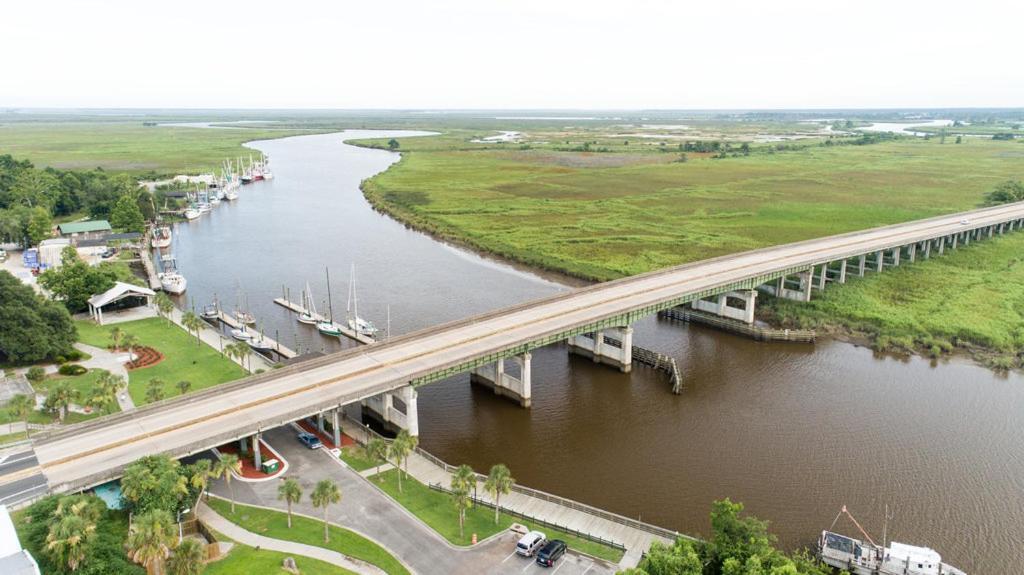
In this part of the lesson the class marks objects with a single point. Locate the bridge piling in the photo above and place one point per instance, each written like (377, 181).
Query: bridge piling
(505, 384)
(614, 349)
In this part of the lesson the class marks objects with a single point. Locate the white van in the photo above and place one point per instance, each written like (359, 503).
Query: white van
(531, 543)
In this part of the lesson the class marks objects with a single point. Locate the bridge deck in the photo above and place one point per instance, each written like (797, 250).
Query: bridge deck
(95, 451)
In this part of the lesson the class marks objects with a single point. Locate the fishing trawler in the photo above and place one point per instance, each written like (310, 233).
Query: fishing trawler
(865, 557)
(171, 281)
(162, 237)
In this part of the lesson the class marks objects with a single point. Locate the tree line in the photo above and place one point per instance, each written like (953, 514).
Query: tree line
(31, 197)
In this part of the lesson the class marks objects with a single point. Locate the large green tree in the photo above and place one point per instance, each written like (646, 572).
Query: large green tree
(31, 327)
(75, 281)
(154, 482)
(126, 215)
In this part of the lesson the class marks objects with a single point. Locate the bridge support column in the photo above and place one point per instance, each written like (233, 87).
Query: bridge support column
(506, 384)
(928, 249)
(320, 422)
(879, 261)
(862, 264)
(842, 271)
(614, 348)
(382, 408)
(912, 252)
(257, 458)
(952, 244)
(336, 426)
(410, 398)
(722, 308)
(823, 276)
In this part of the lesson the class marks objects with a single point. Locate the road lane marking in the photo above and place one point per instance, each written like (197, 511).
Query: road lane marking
(23, 491)
(560, 563)
(532, 563)
(511, 555)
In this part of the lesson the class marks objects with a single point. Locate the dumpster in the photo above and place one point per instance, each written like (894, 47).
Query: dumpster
(270, 466)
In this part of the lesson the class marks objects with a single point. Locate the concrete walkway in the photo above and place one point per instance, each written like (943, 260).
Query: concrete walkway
(112, 362)
(212, 519)
(636, 541)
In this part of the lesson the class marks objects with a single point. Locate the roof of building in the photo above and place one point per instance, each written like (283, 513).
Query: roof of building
(117, 292)
(82, 227)
(55, 242)
(123, 236)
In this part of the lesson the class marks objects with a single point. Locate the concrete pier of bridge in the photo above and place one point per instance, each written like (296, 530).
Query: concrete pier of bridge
(724, 305)
(617, 353)
(505, 384)
(395, 410)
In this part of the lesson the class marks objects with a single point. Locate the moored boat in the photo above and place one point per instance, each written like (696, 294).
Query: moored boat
(865, 557)
(241, 334)
(307, 317)
(192, 213)
(162, 237)
(171, 281)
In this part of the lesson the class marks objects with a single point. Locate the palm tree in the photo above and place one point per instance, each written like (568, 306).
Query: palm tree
(116, 337)
(377, 450)
(325, 493)
(20, 407)
(192, 323)
(110, 385)
(149, 542)
(184, 386)
(130, 341)
(154, 390)
(290, 491)
(239, 351)
(68, 539)
(187, 559)
(228, 465)
(200, 473)
(400, 449)
(499, 482)
(411, 442)
(164, 306)
(463, 481)
(60, 398)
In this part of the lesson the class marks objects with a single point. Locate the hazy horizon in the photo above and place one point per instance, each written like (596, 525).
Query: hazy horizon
(529, 54)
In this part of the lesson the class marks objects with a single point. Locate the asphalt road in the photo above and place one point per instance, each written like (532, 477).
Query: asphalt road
(365, 509)
(20, 477)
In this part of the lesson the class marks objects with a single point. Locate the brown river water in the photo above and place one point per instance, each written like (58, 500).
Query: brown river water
(793, 431)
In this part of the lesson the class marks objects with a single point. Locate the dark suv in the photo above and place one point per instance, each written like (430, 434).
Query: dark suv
(551, 552)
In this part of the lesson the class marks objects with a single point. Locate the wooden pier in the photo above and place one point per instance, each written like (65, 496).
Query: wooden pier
(345, 330)
(276, 347)
(147, 264)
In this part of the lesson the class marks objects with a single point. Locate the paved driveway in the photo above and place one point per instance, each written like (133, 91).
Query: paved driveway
(365, 509)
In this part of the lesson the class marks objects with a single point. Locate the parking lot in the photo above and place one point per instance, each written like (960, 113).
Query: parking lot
(499, 557)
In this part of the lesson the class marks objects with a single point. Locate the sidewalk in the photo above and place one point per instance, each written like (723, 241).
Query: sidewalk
(636, 541)
(222, 525)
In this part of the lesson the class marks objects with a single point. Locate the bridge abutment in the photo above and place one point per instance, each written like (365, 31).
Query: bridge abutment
(505, 384)
(722, 308)
(395, 410)
(618, 353)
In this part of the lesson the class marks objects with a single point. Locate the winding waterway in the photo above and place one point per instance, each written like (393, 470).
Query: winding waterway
(792, 431)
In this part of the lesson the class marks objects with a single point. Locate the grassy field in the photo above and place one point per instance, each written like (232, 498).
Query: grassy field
(602, 216)
(437, 510)
(971, 298)
(304, 530)
(243, 559)
(128, 146)
(183, 359)
(355, 457)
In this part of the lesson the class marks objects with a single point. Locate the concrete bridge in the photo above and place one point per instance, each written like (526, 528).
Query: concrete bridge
(385, 376)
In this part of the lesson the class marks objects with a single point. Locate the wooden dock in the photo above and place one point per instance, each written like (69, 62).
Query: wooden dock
(349, 333)
(147, 264)
(283, 351)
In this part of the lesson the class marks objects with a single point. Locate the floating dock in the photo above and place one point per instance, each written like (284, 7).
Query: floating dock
(345, 330)
(283, 351)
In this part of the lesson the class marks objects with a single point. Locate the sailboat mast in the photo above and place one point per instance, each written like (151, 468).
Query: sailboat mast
(330, 304)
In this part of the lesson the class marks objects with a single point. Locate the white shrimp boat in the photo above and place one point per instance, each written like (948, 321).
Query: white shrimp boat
(162, 237)
(865, 557)
(192, 213)
(173, 282)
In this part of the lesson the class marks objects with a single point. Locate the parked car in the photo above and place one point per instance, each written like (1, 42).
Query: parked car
(551, 552)
(108, 253)
(530, 543)
(309, 440)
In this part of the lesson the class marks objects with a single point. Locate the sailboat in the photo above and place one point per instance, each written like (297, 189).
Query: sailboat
(309, 316)
(329, 327)
(241, 316)
(356, 323)
(241, 334)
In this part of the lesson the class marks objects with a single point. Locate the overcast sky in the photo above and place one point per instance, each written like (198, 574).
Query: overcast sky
(512, 54)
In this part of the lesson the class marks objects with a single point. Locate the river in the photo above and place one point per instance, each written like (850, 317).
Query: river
(792, 431)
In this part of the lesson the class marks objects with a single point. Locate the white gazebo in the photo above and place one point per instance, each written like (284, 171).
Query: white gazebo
(121, 296)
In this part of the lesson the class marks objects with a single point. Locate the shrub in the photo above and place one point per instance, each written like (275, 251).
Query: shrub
(71, 369)
(60, 359)
(35, 374)
(74, 355)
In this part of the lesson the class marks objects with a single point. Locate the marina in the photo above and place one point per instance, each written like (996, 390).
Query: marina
(344, 330)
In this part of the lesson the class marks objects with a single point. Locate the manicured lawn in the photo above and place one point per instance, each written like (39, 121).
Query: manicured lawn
(436, 509)
(183, 359)
(12, 437)
(304, 530)
(83, 384)
(969, 297)
(249, 561)
(356, 458)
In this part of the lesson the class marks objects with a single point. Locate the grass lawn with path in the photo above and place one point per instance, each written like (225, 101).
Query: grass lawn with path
(355, 457)
(183, 359)
(274, 524)
(437, 510)
(244, 559)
